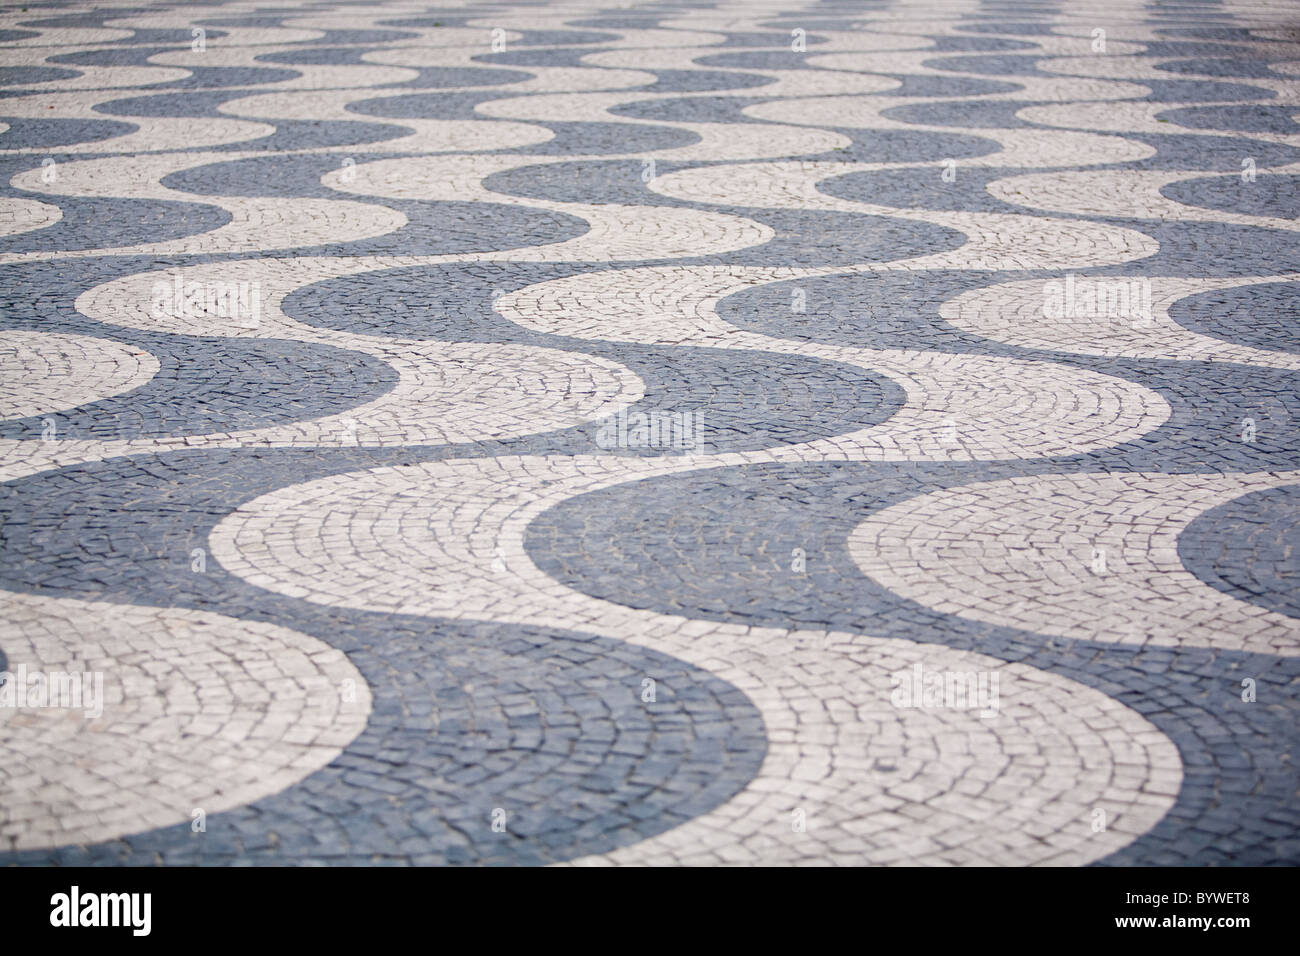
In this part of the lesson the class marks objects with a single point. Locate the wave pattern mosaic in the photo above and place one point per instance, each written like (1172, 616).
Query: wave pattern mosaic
(658, 433)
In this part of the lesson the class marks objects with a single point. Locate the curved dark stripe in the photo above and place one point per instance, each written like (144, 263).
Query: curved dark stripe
(1270, 308)
(105, 223)
(1180, 151)
(25, 75)
(1247, 548)
(467, 717)
(990, 64)
(52, 133)
(701, 81)
(1240, 118)
(584, 138)
(717, 545)
(744, 400)
(452, 105)
(217, 385)
(1273, 195)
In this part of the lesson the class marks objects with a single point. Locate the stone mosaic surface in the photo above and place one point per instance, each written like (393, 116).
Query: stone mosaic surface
(586, 433)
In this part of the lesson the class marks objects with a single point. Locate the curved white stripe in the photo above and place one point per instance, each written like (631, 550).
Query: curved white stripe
(1135, 117)
(26, 215)
(1014, 312)
(853, 762)
(1022, 552)
(959, 406)
(198, 712)
(421, 136)
(1120, 194)
(616, 233)
(151, 134)
(44, 372)
(995, 241)
(258, 223)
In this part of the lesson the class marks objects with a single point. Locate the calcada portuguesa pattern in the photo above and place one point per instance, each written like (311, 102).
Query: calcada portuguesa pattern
(665, 433)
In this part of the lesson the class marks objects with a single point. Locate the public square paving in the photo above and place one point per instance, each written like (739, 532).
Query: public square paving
(659, 433)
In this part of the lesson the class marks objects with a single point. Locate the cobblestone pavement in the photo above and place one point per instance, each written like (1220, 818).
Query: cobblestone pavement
(604, 433)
